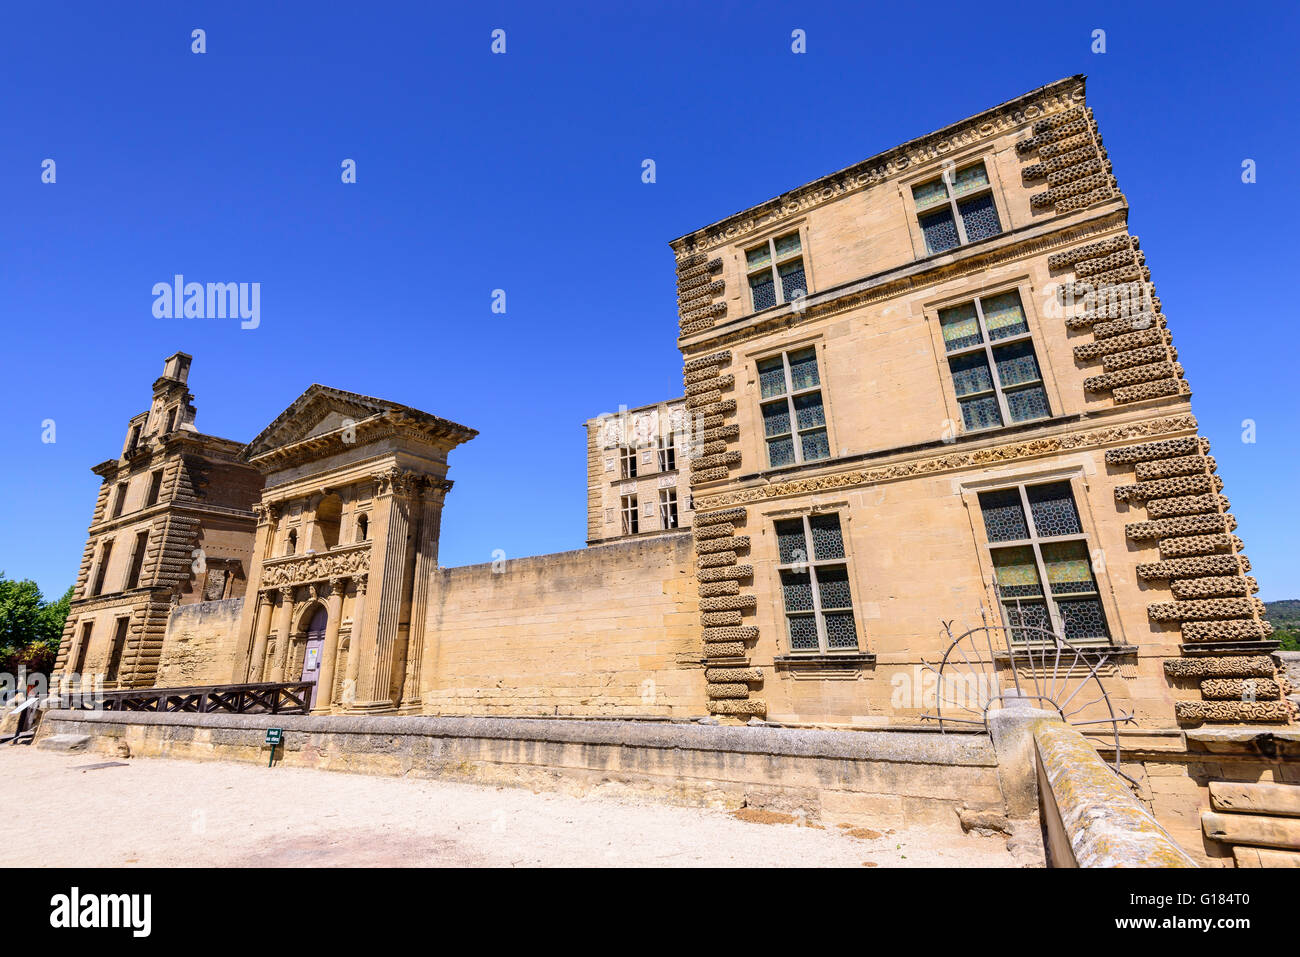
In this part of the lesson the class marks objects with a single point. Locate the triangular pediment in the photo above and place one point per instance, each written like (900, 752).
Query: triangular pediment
(317, 411)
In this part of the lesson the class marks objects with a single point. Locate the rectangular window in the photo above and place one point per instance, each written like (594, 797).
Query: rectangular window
(137, 559)
(155, 487)
(667, 508)
(1035, 536)
(987, 335)
(776, 272)
(815, 584)
(83, 646)
(105, 552)
(667, 453)
(119, 646)
(631, 519)
(627, 461)
(794, 423)
(120, 499)
(957, 208)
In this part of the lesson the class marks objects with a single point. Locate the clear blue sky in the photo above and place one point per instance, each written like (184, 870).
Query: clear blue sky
(522, 172)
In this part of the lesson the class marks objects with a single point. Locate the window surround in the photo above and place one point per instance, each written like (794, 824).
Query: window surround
(755, 427)
(669, 514)
(1076, 476)
(667, 452)
(1023, 286)
(741, 251)
(839, 509)
(631, 516)
(948, 168)
(627, 462)
(988, 347)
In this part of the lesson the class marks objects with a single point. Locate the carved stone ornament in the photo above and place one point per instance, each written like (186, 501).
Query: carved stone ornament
(315, 568)
(952, 461)
(395, 481)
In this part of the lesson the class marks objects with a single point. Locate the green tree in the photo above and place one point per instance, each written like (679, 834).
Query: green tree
(30, 627)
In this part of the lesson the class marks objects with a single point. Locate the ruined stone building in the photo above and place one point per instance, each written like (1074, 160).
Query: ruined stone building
(171, 527)
(940, 370)
(638, 480)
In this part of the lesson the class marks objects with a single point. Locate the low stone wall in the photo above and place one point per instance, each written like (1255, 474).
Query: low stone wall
(1090, 817)
(876, 778)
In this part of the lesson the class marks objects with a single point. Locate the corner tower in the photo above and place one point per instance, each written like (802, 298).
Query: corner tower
(172, 525)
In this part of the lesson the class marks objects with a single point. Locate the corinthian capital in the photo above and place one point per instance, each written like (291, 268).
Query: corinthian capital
(395, 481)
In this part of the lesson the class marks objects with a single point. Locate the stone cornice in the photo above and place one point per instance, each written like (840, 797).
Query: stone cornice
(952, 461)
(1022, 243)
(165, 508)
(178, 441)
(385, 425)
(112, 599)
(1053, 98)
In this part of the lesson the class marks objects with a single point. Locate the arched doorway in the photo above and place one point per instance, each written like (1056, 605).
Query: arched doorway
(315, 638)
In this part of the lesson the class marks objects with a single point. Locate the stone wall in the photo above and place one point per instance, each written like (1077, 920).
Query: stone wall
(198, 647)
(608, 630)
(879, 779)
(1090, 817)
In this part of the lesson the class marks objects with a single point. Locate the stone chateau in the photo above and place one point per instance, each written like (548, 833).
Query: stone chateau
(936, 380)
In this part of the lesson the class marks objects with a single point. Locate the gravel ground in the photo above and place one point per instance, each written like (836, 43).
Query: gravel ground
(62, 810)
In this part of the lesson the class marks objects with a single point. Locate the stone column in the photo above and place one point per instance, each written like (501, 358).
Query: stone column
(261, 627)
(325, 681)
(354, 642)
(283, 622)
(246, 661)
(379, 631)
(426, 573)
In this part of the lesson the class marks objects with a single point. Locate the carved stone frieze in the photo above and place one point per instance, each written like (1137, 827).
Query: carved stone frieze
(315, 568)
(952, 461)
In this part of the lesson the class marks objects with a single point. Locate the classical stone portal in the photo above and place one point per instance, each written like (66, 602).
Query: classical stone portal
(941, 368)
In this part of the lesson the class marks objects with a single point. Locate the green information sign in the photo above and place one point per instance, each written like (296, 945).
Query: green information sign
(274, 736)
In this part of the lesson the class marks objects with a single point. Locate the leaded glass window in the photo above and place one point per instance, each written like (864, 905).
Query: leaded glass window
(1034, 537)
(988, 335)
(794, 420)
(776, 272)
(957, 208)
(816, 596)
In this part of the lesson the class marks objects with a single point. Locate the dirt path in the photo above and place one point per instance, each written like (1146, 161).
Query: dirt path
(61, 810)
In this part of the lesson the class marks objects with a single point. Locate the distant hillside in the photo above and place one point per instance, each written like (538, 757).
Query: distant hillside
(1284, 616)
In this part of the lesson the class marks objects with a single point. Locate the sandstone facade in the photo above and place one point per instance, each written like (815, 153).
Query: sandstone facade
(934, 383)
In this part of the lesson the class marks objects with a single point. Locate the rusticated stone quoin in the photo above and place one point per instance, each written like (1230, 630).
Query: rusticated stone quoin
(1208, 608)
(730, 675)
(747, 706)
(1232, 712)
(1198, 567)
(1177, 527)
(713, 518)
(1198, 545)
(1241, 629)
(713, 589)
(728, 649)
(725, 573)
(1240, 689)
(1236, 666)
(748, 632)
